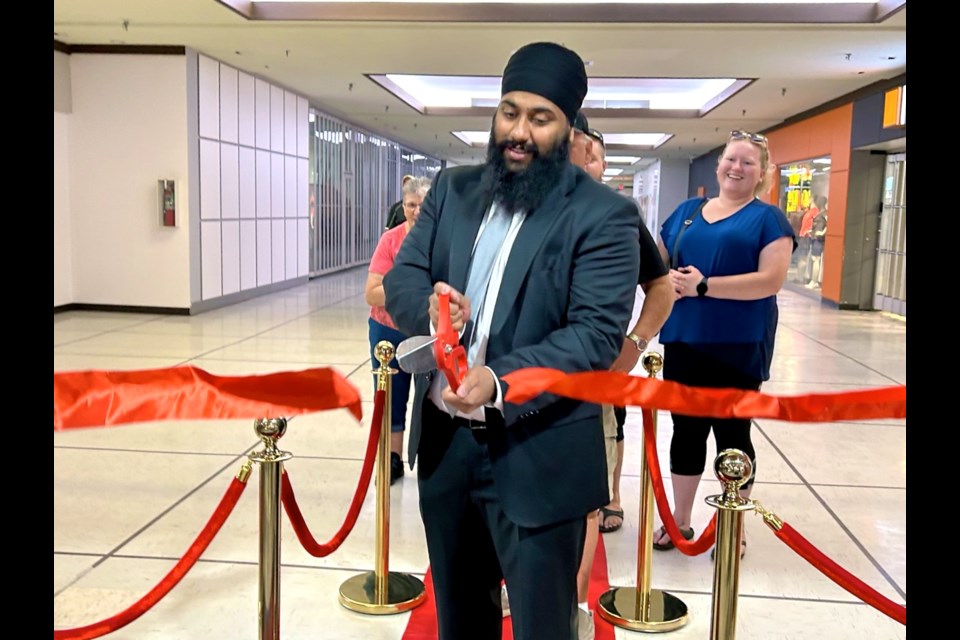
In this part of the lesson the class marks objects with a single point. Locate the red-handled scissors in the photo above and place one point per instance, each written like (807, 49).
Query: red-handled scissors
(450, 355)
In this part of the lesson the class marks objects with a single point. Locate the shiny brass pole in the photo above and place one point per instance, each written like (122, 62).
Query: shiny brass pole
(382, 591)
(384, 352)
(269, 430)
(733, 469)
(643, 608)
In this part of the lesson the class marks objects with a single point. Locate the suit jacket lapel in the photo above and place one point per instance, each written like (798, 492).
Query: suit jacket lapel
(474, 207)
(532, 234)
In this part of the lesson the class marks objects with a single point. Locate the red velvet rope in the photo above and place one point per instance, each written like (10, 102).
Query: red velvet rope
(131, 613)
(293, 510)
(610, 387)
(100, 398)
(841, 576)
(787, 533)
(687, 547)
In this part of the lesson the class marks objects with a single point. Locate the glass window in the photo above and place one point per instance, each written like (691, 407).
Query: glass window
(804, 197)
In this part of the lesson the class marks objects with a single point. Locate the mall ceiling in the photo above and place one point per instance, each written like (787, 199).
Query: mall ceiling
(796, 57)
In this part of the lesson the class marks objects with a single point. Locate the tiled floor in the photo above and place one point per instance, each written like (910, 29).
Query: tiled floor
(129, 500)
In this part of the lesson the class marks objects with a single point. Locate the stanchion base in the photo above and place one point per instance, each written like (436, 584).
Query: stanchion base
(404, 592)
(619, 606)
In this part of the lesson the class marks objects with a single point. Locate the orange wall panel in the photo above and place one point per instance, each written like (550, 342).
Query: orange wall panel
(826, 134)
(832, 267)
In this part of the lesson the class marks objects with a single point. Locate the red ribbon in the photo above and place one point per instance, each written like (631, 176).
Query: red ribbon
(155, 595)
(99, 398)
(610, 387)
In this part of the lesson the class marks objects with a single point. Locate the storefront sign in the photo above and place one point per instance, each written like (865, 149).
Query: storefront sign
(895, 107)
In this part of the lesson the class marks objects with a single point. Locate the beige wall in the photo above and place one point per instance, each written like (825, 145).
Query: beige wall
(127, 129)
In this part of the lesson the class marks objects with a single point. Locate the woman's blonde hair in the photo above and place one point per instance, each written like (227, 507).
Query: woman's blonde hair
(760, 142)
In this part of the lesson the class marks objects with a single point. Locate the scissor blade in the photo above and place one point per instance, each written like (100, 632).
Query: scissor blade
(415, 355)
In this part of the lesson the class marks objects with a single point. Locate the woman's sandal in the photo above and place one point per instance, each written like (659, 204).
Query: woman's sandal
(666, 546)
(606, 512)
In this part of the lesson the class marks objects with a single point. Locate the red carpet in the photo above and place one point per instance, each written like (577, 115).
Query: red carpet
(423, 620)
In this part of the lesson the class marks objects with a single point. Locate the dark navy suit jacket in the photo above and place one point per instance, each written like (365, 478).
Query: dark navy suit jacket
(565, 300)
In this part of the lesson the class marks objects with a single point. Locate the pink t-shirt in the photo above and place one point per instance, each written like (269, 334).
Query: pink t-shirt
(382, 262)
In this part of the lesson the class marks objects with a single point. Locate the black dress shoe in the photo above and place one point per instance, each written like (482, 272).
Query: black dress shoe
(396, 467)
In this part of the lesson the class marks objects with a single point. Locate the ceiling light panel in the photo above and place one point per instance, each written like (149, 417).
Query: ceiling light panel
(426, 92)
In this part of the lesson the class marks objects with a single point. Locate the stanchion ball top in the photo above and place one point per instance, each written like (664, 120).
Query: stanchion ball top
(733, 466)
(652, 362)
(384, 352)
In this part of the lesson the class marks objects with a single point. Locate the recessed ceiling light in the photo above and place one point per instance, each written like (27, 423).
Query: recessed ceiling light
(434, 93)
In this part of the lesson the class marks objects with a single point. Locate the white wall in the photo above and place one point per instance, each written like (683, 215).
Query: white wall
(61, 82)
(674, 184)
(252, 177)
(62, 246)
(128, 130)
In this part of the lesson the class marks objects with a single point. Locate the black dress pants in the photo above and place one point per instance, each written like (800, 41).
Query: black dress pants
(472, 544)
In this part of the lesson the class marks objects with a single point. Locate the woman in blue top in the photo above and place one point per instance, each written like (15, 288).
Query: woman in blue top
(729, 257)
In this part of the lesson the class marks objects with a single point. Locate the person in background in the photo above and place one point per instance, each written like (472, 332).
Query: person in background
(395, 215)
(655, 307)
(381, 326)
(539, 262)
(805, 240)
(588, 147)
(818, 232)
(727, 265)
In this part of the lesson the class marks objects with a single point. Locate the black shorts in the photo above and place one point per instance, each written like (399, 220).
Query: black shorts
(621, 414)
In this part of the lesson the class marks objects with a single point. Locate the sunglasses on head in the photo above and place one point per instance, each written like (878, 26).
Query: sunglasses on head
(756, 138)
(596, 135)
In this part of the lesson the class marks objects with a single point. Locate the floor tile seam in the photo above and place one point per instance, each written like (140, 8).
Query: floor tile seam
(785, 483)
(232, 456)
(834, 384)
(151, 451)
(105, 332)
(176, 503)
(202, 560)
(864, 423)
(849, 357)
(823, 503)
(273, 328)
(763, 596)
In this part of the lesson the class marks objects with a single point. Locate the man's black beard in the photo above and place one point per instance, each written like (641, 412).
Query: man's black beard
(523, 190)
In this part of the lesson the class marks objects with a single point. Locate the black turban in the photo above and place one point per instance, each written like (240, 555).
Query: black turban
(549, 70)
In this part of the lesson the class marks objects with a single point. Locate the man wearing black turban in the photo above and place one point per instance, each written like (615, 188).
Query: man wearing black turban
(550, 257)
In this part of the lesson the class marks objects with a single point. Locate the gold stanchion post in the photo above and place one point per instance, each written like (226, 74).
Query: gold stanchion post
(383, 591)
(643, 608)
(733, 469)
(270, 460)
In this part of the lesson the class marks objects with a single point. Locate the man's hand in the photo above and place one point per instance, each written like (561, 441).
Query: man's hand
(459, 306)
(477, 389)
(628, 358)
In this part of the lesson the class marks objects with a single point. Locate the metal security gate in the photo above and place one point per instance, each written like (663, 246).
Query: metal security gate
(354, 178)
(890, 291)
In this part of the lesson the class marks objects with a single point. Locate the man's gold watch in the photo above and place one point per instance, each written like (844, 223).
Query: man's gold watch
(637, 340)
